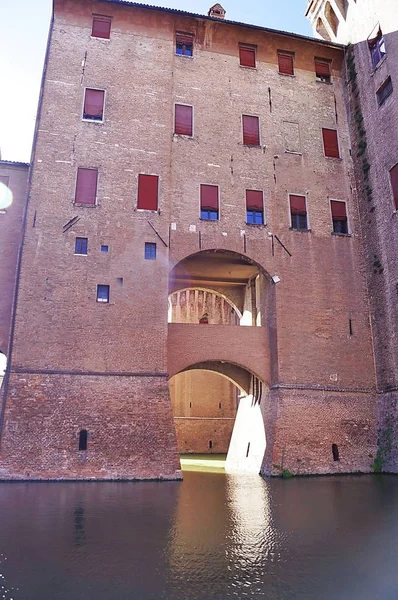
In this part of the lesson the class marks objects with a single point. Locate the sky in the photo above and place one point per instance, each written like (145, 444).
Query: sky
(23, 36)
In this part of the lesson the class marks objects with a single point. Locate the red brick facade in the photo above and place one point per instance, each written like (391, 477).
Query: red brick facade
(304, 340)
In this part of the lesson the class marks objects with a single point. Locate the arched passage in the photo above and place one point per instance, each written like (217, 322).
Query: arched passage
(218, 409)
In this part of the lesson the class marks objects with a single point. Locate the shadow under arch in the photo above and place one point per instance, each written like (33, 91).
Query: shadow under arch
(248, 440)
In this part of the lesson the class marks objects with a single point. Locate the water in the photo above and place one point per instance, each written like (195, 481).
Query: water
(212, 536)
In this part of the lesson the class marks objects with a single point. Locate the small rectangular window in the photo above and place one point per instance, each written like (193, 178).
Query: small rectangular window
(93, 104)
(339, 217)
(4, 179)
(330, 143)
(254, 207)
(285, 63)
(384, 91)
(101, 27)
(377, 48)
(81, 245)
(394, 184)
(86, 186)
(184, 44)
(209, 202)
(247, 56)
(322, 70)
(102, 293)
(104, 248)
(298, 212)
(148, 186)
(183, 123)
(150, 251)
(251, 130)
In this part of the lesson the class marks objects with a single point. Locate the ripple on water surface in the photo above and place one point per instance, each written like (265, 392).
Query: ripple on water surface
(213, 536)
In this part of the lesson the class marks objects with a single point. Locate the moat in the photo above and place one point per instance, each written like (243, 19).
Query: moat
(212, 536)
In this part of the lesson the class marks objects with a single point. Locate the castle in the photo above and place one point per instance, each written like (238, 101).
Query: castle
(208, 258)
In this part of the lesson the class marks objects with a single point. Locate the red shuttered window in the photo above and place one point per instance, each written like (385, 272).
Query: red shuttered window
(101, 27)
(339, 216)
(148, 186)
(394, 184)
(330, 143)
(209, 202)
(285, 63)
(247, 57)
(94, 104)
(298, 211)
(322, 70)
(4, 179)
(183, 123)
(254, 207)
(251, 130)
(86, 186)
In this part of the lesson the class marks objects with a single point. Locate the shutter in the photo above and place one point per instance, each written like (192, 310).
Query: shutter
(4, 179)
(86, 186)
(148, 192)
(183, 119)
(254, 200)
(322, 68)
(94, 103)
(297, 205)
(184, 38)
(101, 27)
(394, 184)
(209, 197)
(285, 62)
(338, 210)
(247, 57)
(251, 134)
(330, 143)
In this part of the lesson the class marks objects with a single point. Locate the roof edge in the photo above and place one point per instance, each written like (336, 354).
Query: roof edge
(14, 163)
(184, 13)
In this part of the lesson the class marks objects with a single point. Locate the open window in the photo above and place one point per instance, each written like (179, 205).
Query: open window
(298, 212)
(339, 217)
(322, 70)
(184, 44)
(377, 47)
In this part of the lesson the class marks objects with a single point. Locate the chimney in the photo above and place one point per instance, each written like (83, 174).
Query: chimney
(217, 12)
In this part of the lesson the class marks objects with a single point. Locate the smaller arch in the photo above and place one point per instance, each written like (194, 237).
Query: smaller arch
(175, 295)
(83, 439)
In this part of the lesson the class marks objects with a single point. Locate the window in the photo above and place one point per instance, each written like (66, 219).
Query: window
(254, 207)
(209, 202)
(251, 130)
(4, 179)
(86, 186)
(339, 216)
(384, 91)
(102, 293)
(81, 245)
(150, 251)
(330, 143)
(83, 439)
(335, 452)
(104, 248)
(247, 56)
(101, 27)
(183, 119)
(285, 63)
(184, 44)
(148, 192)
(93, 104)
(322, 70)
(298, 212)
(394, 184)
(377, 48)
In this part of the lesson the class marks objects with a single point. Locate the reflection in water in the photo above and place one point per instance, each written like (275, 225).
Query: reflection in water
(211, 537)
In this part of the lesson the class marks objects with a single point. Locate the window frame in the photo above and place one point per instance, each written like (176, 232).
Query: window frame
(76, 244)
(90, 119)
(102, 248)
(108, 19)
(251, 210)
(251, 48)
(291, 228)
(318, 78)
(185, 135)
(108, 296)
(384, 85)
(259, 131)
(375, 47)
(290, 55)
(218, 200)
(152, 210)
(338, 144)
(181, 35)
(152, 251)
(84, 204)
(342, 233)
